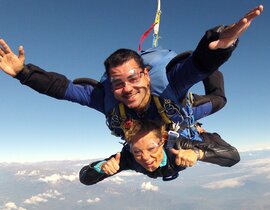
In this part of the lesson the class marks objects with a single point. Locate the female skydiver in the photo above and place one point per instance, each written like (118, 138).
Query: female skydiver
(145, 153)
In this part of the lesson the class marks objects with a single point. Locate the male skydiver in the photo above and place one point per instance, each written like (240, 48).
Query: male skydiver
(130, 78)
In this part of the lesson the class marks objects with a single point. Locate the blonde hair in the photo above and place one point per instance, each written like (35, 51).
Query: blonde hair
(141, 126)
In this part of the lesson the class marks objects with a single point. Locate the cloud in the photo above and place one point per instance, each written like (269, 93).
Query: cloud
(55, 178)
(253, 168)
(148, 186)
(31, 173)
(255, 148)
(12, 206)
(227, 183)
(116, 179)
(21, 173)
(257, 162)
(129, 173)
(42, 198)
(96, 200)
(34, 173)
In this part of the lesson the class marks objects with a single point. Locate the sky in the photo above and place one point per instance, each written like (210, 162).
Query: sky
(73, 38)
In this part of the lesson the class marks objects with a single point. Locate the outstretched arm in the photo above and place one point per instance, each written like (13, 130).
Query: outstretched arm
(215, 149)
(9, 62)
(218, 43)
(97, 171)
(187, 157)
(232, 32)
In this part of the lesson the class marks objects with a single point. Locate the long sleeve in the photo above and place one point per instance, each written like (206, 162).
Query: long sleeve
(210, 60)
(183, 74)
(215, 149)
(58, 86)
(89, 176)
(49, 83)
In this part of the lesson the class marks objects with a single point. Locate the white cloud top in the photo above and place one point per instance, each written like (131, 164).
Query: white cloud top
(129, 173)
(148, 186)
(116, 179)
(227, 183)
(55, 178)
(42, 198)
(96, 200)
(25, 173)
(12, 206)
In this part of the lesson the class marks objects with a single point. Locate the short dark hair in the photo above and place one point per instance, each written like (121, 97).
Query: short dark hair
(121, 56)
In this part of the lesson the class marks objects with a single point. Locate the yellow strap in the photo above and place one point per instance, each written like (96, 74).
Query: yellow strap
(161, 111)
(122, 111)
(191, 99)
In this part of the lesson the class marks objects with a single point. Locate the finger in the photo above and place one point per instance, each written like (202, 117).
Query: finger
(254, 13)
(113, 165)
(107, 169)
(251, 15)
(174, 151)
(183, 163)
(177, 161)
(111, 171)
(2, 53)
(5, 46)
(118, 157)
(21, 55)
(213, 45)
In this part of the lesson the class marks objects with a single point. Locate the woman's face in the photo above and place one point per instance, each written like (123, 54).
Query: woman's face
(146, 148)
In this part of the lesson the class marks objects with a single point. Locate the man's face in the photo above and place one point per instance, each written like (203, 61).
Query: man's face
(131, 85)
(147, 150)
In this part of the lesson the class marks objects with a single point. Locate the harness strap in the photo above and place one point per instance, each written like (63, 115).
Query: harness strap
(161, 110)
(122, 111)
(191, 99)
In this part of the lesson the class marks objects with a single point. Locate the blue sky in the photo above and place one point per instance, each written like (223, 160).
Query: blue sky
(75, 37)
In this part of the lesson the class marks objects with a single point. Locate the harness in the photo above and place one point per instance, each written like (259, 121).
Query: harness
(178, 119)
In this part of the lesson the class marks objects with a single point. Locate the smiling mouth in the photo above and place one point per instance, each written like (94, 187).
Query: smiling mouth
(130, 97)
(149, 164)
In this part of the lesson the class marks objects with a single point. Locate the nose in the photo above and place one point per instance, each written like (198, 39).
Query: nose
(127, 87)
(145, 156)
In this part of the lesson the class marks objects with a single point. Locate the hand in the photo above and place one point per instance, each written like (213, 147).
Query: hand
(184, 157)
(111, 166)
(230, 34)
(9, 62)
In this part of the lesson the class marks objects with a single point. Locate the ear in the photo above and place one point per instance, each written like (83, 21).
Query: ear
(146, 70)
(146, 74)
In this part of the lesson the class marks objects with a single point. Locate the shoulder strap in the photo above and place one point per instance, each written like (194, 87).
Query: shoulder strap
(122, 111)
(161, 110)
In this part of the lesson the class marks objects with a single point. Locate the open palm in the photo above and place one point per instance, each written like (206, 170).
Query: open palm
(9, 62)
